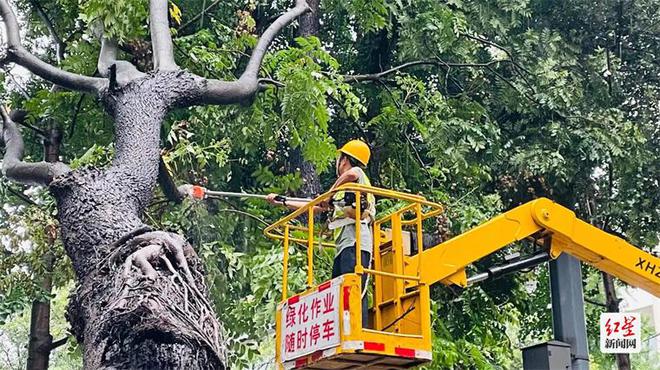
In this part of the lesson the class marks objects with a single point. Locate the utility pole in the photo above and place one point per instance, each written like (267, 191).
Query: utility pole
(568, 320)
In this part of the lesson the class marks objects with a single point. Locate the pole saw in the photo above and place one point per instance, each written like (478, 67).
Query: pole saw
(200, 192)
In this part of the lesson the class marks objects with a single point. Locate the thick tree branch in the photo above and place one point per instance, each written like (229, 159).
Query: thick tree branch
(226, 92)
(126, 71)
(13, 167)
(161, 40)
(436, 62)
(17, 54)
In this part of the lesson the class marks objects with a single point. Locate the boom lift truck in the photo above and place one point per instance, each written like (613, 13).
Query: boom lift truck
(321, 327)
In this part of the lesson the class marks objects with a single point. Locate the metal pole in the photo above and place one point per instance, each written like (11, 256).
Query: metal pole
(228, 194)
(498, 271)
(310, 247)
(568, 320)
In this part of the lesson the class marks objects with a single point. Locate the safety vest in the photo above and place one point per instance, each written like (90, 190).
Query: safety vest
(339, 218)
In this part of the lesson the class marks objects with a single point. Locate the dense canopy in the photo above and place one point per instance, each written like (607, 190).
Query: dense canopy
(478, 105)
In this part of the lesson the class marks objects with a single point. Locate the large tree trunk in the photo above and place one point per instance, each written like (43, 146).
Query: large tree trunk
(140, 302)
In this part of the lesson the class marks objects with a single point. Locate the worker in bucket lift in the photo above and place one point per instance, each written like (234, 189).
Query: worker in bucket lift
(352, 158)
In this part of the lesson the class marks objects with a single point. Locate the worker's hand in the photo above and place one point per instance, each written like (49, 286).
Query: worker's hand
(271, 198)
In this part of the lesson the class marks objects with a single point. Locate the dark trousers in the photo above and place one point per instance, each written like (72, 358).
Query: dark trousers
(345, 264)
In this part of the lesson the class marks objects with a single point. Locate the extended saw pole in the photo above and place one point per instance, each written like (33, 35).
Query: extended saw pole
(200, 192)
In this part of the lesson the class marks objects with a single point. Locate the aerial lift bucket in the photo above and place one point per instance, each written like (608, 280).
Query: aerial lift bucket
(321, 327)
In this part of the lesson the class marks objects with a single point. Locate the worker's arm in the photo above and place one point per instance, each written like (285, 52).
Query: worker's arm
(351, 175)
(293, 205)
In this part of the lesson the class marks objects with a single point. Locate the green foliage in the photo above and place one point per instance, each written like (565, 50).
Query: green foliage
(566, 108)
(15, 334)
(121, 20)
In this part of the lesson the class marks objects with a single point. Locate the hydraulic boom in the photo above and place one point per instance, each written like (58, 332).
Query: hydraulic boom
(538, 219)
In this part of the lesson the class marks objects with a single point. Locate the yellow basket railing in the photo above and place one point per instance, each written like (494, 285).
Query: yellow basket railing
(281, 230)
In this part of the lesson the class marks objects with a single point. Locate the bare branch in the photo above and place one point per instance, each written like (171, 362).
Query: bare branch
(497, 46)
(517, 66)
(16, 53)
(253, 66)
(13, 167)
(57, 40)
(161, 40)
(21, 196)
(435, 62)
(76, 112)
(198, 16)
(594, 302)
(20, 87)
(226, 92)
(270, 81)
(19, 116)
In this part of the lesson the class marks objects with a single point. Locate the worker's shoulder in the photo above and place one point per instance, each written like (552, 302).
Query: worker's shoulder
(357, 172)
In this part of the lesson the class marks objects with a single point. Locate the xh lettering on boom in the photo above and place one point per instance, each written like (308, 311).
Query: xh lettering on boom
(649, 267)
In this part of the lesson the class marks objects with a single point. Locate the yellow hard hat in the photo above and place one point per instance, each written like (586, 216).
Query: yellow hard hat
(358, 150)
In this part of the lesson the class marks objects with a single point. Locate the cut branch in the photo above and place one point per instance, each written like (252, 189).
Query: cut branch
(58, 343)
(227, 92)
(161, 40)
(126, 71)
(13, 167)
(17, 54)
(167, 183)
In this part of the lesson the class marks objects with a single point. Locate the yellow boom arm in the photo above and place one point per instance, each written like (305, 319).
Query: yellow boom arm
(540, 218)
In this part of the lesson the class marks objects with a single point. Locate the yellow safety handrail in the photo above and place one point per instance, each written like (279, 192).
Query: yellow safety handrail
(281, 229)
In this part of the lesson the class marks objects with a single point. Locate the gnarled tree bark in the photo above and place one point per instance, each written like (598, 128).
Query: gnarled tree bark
(140, 300)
